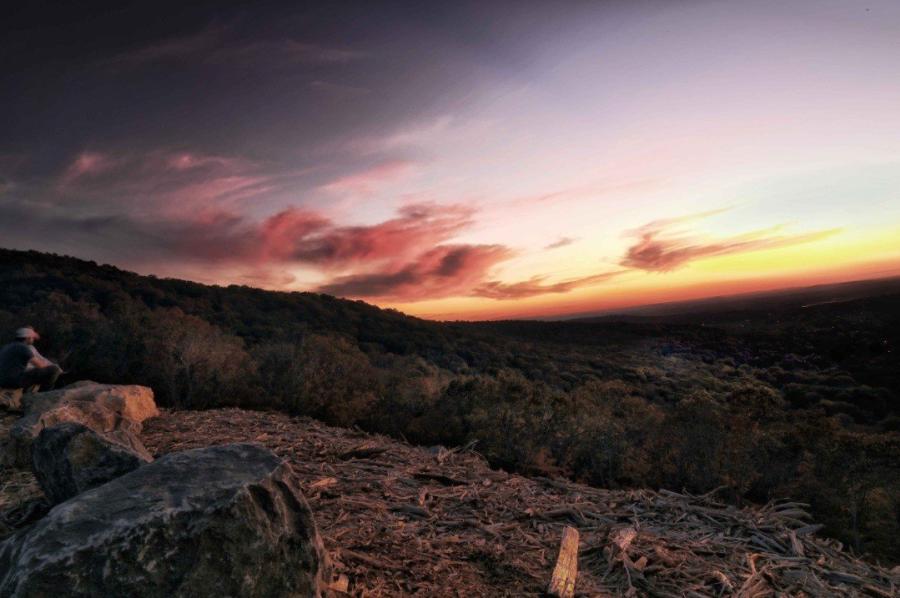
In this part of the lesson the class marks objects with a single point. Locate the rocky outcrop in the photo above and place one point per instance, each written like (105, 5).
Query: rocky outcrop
(221, 521)
(11, 399)
(70, 458)
(115, 411)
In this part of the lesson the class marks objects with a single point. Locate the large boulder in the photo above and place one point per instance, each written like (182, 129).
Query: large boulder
(69, 458)
(220, 521)
(115, 411)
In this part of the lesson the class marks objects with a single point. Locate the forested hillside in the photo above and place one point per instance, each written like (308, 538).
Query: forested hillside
(785, 401)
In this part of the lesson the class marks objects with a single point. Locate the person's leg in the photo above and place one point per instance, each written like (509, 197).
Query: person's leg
(44, 378)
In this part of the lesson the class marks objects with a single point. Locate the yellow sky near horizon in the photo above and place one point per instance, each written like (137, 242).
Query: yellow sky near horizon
(845, 256)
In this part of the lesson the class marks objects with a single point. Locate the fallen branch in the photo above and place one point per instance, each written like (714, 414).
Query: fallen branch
(562, 582)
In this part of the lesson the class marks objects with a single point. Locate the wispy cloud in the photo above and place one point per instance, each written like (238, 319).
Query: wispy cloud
(561, 242)
(445, 271)
(597, 188)
(367, 181)
(536, 286)
(389, 245)
(409, 257)
(406, 136)
(199, 44)
(662, 247)
(164, 182)
(338, 90)
(217, 45)
(283, 51)
(190, 160)
(167, 206)
(87, 164)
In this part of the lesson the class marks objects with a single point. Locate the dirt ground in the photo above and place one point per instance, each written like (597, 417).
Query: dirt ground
(399, 520)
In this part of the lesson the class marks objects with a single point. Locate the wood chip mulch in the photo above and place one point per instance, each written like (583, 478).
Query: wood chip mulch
(399, 520)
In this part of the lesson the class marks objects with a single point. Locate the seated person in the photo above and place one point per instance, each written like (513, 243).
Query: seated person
(21, 366)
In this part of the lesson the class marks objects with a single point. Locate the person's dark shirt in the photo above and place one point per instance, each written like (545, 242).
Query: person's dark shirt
(14, 358)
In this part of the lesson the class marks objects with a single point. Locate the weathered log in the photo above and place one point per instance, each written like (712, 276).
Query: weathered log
(562, 582)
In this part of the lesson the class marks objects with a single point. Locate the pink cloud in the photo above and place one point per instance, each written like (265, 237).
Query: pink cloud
(406, 257)
(171, 184)
(660, 248)
(193, 199)
(281, 233)
(183, 161)
(389, 243)
(87, 164)
(536, 286)
(445, 271)
(192, 207)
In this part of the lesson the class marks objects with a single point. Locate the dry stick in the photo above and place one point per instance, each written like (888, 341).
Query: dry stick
(562, 583)
(364, 450)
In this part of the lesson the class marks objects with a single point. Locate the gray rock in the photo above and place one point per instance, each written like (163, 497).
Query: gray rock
(220, 521)
(68, 459)
(116, 411)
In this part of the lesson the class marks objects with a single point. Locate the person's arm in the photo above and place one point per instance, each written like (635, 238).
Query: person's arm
(37, 360)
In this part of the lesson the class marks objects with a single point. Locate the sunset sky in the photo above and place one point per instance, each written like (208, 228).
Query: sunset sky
(459, 159)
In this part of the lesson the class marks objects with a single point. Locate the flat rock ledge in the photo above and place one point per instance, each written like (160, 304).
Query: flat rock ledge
(116, 411)
(221, 521)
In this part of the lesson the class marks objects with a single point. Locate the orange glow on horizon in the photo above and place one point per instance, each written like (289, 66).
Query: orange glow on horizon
(611, 302)
(838, 259)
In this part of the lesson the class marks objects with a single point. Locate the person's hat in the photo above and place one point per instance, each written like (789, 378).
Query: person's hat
(27, 332)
